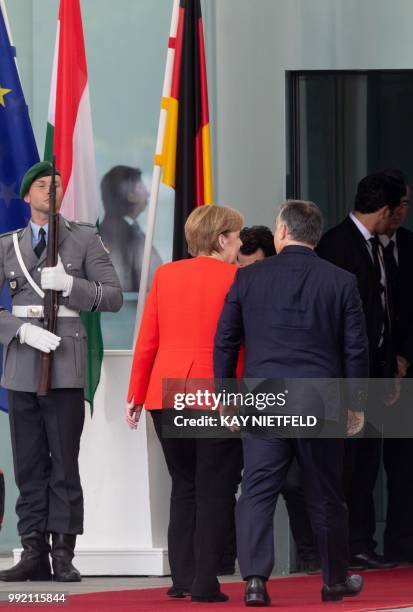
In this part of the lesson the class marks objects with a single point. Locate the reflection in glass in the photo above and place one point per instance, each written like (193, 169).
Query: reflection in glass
(124, 198)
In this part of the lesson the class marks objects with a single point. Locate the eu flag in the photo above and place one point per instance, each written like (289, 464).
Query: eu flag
(18, 150)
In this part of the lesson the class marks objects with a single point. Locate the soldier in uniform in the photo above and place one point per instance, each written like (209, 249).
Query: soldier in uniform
(46, 430)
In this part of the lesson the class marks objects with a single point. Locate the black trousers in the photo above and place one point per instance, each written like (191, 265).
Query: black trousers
(266, 464)
(300, 524)
(205, 476)
(398, 463)
(45, 437)
(227, 563)
(361, 467)
(362, 462)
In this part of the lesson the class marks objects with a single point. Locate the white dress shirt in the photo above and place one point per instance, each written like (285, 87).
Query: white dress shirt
(367, 235)
(384, 239)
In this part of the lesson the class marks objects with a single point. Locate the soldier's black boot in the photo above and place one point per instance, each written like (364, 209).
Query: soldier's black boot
(63, 551)
(34, 562)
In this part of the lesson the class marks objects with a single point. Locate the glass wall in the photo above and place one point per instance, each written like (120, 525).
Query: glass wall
(342, 126)
(126, 44)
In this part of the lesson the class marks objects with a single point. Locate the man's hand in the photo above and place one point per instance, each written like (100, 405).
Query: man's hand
(394, 395)
(57, 279)
(355, 422)
(230, 410)
(38, 338)
(133, 413)
(402, 366)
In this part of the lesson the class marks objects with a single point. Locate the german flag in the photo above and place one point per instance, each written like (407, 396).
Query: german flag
(186, 154)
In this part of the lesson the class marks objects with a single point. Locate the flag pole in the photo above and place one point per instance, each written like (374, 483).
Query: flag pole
(7, 24)
(157, 171)
(6, 20)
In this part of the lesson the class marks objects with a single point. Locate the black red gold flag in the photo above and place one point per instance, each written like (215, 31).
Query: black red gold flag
(186, 155)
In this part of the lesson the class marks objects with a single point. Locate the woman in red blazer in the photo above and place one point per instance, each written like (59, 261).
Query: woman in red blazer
(176, 340)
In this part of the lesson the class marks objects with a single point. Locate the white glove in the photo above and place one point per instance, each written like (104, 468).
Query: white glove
(57, 279)
(38, 338)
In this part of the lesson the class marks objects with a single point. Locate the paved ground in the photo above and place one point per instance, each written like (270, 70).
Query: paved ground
(97, 584)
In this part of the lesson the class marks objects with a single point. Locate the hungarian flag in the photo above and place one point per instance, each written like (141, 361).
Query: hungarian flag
(186, 154)
(70, 137)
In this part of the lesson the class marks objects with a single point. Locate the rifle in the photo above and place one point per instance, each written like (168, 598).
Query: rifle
(50, 303)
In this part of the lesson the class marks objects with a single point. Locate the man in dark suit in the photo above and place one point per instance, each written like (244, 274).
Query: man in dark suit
(354, 246)
(124, 198)
(397, 448)
(257, 244)
(299, 317)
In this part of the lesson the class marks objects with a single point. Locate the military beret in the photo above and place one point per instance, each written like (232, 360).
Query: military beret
(37, 171)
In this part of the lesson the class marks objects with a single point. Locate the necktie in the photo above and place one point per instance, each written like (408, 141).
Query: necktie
(41, 245)
(386, 288)
(392, 271)
(374, 241)
(136, 230)
(384, 293)
(390, 260)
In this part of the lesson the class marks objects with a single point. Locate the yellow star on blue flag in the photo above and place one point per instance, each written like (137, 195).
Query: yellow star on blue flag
(3, 92)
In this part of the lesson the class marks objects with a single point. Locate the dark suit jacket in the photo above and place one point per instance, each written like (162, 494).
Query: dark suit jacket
(126, 244)
(300, 317)
(345, 246)
(404, 294)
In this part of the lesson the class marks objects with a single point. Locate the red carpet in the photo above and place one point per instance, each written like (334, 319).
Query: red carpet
(383, 589)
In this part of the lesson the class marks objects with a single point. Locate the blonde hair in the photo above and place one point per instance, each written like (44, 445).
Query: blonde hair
(205, 224)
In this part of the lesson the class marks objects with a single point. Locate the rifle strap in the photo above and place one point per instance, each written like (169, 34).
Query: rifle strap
(25, 271)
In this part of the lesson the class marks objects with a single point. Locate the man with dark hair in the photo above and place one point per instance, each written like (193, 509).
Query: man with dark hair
(257, 244)
(397, 245)
(377, 191)
(271, 308)
(354, 246)
(124, 198)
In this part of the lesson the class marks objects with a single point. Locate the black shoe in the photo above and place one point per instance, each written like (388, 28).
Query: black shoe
(28, 569)
(63, 551)
(311, 567)
(256, 592)
(178, 593)
(350, 588)
(370, 560)
(218, 598)
(34, 563)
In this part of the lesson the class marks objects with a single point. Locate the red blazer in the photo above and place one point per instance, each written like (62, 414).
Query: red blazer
(176, 337)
